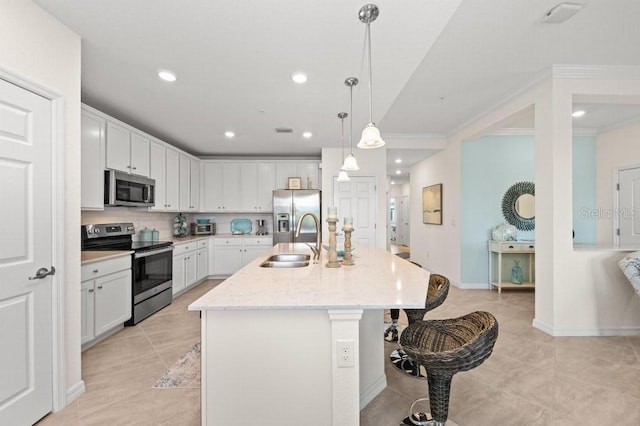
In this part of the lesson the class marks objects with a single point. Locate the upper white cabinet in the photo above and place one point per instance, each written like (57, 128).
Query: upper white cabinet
(221, 187)
(92, 166)
(158, 172)
(247, 187)
(258, 182)
(126, 151)
(189, 184)
(308, 172)
(195, 185)
(172, 195)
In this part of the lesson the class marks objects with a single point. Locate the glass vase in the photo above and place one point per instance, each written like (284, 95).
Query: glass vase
(516, 272)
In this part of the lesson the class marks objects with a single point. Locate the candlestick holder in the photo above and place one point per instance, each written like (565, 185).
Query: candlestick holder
(348, 257)
(332, 254)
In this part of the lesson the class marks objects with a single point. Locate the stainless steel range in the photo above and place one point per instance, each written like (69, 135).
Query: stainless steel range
(151, 264)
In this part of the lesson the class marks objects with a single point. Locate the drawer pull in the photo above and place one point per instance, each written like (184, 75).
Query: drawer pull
(95, 271)
(99, 287)
(510, 246)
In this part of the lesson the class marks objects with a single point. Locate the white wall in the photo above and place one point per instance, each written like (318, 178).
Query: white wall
(615, 149)
(38, 49)
(372, 162)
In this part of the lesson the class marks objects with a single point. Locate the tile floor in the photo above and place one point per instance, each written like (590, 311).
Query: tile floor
(530, 379)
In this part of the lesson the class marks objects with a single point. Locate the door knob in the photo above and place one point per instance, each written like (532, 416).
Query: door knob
(43, 272)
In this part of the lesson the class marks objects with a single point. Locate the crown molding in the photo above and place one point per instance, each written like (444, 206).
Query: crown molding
(596, 72)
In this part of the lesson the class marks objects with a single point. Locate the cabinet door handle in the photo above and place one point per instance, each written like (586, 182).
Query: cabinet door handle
(99, 287)
(134, 168)
(95, 271)
(510, 246)
(90, 290)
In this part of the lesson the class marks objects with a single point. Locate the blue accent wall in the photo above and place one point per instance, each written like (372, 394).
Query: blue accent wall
(584, 184)
(490, 165)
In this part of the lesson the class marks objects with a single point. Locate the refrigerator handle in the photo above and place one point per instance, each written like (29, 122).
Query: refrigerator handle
(292, 225)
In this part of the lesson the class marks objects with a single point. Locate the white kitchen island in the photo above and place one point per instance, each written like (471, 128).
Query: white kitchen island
(274, 339)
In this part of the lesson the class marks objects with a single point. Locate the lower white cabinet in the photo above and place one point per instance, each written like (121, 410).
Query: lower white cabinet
(190, 263)
(105, 296)
(232, 253)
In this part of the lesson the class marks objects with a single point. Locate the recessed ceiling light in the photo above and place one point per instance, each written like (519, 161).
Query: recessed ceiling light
(393, 182)
(398, 160)
(307, 135)
(229, 134)
(398, 172)
(299, 77)
(167, 75)
(578, 113)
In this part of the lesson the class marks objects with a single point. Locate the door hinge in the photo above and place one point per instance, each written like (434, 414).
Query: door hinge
(617, 186)
(618, 231)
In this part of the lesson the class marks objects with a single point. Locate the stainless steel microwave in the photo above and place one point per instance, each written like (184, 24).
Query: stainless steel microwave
(122, 189)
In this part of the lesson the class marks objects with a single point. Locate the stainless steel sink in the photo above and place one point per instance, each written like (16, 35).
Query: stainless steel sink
(286, 260)
(289, 257)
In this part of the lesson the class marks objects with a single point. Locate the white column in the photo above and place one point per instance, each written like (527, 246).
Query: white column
(345, 326)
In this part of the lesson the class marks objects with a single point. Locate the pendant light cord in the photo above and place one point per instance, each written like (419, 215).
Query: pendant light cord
(351, 120)
(342, 120)
(368, 37)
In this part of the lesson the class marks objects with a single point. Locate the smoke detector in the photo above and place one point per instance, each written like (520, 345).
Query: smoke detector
(561, 13)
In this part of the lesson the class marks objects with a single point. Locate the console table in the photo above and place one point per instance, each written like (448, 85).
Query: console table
(523, 251)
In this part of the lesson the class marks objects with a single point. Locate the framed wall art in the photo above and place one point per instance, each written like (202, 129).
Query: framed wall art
(432, 204)
(294, 183)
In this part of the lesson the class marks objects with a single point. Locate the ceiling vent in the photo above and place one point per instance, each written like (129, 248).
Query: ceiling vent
(561, 13)
(284, 130)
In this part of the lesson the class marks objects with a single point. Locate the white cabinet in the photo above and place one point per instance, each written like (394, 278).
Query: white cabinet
(105, 296)
(92, 163)
(232, 253)
(258, 182)
(253, 247)
(158, 172)
(500, 272)
(221, 187)
(126, 151)
(308, 172)
(172, 195)
(202, 259)
(195, 185)
(227, 256)
(189, 184)
(190, 264)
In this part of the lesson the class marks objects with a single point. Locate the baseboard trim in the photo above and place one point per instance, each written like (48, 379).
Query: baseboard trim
(584, 332)
(74, 392)
(471, 286)
(373, 391)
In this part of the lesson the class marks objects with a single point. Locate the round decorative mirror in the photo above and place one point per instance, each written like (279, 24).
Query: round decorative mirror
(518, 205)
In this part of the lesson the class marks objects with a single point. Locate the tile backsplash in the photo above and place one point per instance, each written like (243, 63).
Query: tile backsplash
(163, 222)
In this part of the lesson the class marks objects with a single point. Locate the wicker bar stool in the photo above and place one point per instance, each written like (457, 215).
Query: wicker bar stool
(437, 292)
(446, 347)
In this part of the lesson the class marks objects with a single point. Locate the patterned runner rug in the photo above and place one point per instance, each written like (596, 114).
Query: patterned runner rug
(184, 373)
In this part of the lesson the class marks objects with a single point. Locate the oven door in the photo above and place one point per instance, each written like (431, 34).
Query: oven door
(152, 273)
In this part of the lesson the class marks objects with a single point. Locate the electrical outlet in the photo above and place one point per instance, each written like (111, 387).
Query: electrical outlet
(345, 353)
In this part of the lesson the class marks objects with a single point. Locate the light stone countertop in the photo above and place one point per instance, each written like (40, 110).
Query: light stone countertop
(95, 256)
(378, 280)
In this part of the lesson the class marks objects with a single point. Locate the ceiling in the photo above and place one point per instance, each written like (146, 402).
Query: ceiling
(437, 64)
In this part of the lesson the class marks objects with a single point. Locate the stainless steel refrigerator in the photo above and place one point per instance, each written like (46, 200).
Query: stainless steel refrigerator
(288, 207)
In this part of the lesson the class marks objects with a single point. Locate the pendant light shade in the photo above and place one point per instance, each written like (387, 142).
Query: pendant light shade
(370, 135)
(343, 176)
(350, 163)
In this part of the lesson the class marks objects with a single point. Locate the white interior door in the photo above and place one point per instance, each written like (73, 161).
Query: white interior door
(629, 206)
(357, 199)
(26, 228)
(403, 220)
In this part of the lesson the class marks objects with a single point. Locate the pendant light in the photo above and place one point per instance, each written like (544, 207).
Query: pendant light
(350, 163)
(343, 176)
(370, 135)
